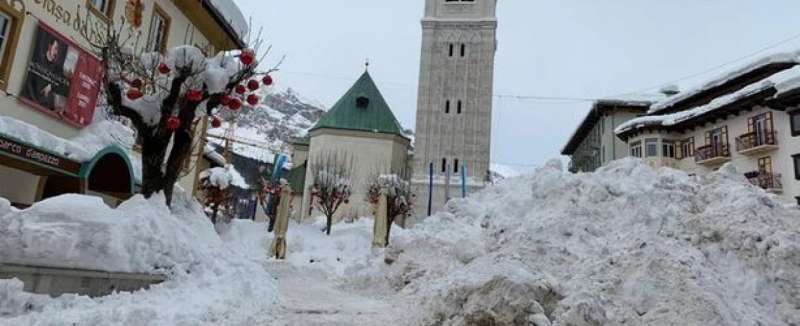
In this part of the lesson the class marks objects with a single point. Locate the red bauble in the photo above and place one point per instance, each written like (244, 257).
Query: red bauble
(247, 57)
(225, 100)
(240, 89)
(216, 123)
(163, 68)
(252, 99)
(173, 123)
(137, 83)
(267, 80)
(235, 104)
(194, 95)
(253, 85)
(134, 94)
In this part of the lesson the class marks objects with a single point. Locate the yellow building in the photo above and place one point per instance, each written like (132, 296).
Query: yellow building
(47, 146)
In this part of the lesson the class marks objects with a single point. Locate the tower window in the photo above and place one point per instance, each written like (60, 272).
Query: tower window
(455, 166)
(458, 107)
(444, 165)
(362, 102)
(463, 49)
(452, 48)
(447, 106)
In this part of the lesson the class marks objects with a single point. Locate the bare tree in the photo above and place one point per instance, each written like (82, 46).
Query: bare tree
(399, 197)
(166, 96)
(332, 185)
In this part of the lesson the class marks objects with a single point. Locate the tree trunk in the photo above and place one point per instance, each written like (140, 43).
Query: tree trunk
(389, 228)
(153, 152)
(329, 224)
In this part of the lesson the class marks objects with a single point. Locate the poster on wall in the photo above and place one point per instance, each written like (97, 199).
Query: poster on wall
(62, 79)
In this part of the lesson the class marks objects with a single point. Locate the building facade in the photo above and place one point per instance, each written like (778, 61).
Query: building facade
(454, 109)
(52, 80)
(594, 143)
(361, 133)
(748, 118)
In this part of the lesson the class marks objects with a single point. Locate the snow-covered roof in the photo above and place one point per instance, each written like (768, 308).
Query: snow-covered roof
(633, 100)
(788, 58)
(786, 77)
(232, 15)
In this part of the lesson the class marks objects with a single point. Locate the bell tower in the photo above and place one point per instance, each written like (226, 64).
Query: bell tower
(454, 108)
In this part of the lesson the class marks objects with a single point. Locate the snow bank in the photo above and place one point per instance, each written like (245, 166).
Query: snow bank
(209, 281)
(626, 245)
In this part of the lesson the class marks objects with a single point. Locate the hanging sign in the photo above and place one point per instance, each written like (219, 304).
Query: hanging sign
(62, 79)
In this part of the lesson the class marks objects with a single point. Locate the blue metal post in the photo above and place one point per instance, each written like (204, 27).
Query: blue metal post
(430, 189)
(464, 181)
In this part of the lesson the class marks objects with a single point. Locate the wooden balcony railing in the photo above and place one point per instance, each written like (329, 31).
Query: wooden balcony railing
(709, 152)
(765, 180)
(755, 139)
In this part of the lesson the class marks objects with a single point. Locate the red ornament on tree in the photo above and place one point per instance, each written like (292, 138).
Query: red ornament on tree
(247, 57)
(253, 85)
(163, 68)
(267, 80)
(173, 123)
(252, 99)
(235, 104)
(216, 123)
(194, 95)
(134, 94)
(225, 100)
(240, 89)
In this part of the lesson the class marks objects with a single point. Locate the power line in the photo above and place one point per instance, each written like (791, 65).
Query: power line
(725, 64)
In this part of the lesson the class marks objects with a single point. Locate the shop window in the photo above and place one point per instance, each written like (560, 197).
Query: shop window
(651, 147)
(636, 149)
(10, 22)
(668, 149)
(159, 31)
(687, 148)
(794, 118)
(796, 159)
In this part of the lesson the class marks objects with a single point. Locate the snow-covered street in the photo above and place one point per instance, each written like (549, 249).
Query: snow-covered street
(309, 298)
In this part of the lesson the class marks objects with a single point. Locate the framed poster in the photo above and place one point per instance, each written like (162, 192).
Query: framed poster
(62, 79)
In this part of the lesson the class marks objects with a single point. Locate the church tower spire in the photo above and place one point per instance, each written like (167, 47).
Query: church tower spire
(454, 109)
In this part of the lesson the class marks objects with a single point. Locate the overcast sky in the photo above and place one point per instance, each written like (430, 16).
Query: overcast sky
(548, 48)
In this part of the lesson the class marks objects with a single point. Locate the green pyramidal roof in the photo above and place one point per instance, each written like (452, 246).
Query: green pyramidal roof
(361, 108)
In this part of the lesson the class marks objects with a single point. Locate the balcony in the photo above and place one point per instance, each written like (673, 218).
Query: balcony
(756, 143)
(712, 154)
(771, 182)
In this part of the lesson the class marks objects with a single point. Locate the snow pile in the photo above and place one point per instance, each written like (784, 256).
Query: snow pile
(209, 281)
(223, 178)
(626, 245)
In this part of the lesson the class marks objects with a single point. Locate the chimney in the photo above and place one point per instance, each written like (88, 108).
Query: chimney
(670, 90)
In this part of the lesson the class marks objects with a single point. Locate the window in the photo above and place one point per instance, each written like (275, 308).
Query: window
(452, 48)
(796, 159)
(794, 118)
(765, 165)
(687, 148)
(458, 107)
(668, 149)
(463, 49)
(455, 166)
(636, 149)
(447, 106)
(10, 22)
(444, 165)
(362, 102)
(101, 8)
(651, 147)
(159, 31)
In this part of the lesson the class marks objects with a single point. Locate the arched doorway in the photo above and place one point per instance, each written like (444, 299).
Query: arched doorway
(109, 175)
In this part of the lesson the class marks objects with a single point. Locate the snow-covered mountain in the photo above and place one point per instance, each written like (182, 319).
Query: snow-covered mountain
(271, 126)
(281, 116)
